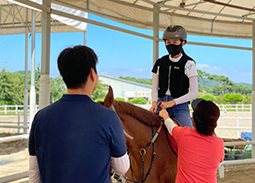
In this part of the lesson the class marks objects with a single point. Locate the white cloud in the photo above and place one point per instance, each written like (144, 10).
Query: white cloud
(138, 70)
(138, 73)
(202, 66)
(217, 68)
(206, 66)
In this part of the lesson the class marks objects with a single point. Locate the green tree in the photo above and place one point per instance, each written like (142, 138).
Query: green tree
(247, 99)
(138, 101)
(208, 97)
(138, 80)
(100, 91)
(57, 89)
(37, 82)
(233, 98)
(219, 99)
(11, 87)
(120, 99)
(203, 77)
(244, 90)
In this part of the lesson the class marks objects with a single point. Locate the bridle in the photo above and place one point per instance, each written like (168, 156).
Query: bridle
(142, 152)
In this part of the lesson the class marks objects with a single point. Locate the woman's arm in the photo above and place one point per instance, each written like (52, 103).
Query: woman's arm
(168, 121)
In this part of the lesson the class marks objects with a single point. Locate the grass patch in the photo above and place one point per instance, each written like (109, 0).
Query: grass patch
(9, 134)
(244, 155)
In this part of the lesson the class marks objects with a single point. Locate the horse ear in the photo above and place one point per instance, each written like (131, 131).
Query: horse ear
(108, 101)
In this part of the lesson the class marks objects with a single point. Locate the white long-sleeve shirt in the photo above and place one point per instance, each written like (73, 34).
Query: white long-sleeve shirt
(190, 72)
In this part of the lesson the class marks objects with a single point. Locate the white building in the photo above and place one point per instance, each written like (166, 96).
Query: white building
(127, 89)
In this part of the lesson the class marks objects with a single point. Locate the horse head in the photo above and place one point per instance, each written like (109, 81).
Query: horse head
(155, 161)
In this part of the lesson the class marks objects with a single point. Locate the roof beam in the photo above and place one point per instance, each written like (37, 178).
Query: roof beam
(219, 46)
(102, 14)
(31, 5)
(11, 14)
(229, 5)
(203, 12)
(82, 19)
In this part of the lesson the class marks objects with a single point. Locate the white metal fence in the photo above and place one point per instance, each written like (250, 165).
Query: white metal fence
(13, 109)
(222, 107)
(18, 109)
(237, 127)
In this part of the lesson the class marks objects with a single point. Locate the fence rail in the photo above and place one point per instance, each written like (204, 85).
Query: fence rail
(222, 107)
(237, 127)
(14, 109)
(18, 109)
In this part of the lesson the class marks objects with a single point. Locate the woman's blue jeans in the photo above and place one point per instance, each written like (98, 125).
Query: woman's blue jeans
(179, 112)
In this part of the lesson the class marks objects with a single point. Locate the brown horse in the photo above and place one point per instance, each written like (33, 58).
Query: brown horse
(150, 162)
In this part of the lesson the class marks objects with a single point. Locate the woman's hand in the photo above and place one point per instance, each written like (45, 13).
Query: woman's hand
(154, 106)
(164, 114)
(165, 105)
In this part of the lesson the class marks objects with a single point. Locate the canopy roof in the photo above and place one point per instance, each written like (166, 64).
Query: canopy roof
(223, 18)
(15, 18)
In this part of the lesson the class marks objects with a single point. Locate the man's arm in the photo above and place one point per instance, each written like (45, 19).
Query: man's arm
(34, 174)
(119, 157)
(120, 165)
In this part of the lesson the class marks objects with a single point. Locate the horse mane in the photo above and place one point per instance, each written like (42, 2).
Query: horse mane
(142, 115)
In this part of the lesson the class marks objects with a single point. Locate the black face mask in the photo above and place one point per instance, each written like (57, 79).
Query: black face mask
(174, 49)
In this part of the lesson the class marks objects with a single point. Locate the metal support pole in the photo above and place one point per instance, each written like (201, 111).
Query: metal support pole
(155, 32)
(85, 37)
(253, 87)
(32, 88)
(44, 91)
(26, 82)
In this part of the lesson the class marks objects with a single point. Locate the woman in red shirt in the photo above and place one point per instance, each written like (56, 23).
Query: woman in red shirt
(200, 152)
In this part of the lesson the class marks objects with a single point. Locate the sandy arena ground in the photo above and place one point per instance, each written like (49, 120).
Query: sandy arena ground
(232, 174)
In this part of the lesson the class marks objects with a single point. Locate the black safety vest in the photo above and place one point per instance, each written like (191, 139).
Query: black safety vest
(172, 76)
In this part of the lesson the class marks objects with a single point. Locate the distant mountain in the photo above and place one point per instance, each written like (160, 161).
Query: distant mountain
(244, 84)
(211, 83)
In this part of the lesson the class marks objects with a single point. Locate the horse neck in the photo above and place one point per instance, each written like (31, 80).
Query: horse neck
(165, 160)
(141, 134)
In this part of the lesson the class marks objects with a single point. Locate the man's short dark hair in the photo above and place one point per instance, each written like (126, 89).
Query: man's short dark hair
(74, 65)
(205, 116)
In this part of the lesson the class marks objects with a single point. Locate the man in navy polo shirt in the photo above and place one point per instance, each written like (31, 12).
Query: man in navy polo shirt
(75, 139)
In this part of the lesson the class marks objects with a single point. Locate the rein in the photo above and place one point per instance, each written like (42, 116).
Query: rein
(142, 152)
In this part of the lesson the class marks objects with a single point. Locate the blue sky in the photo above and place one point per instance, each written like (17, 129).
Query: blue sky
(121, 54)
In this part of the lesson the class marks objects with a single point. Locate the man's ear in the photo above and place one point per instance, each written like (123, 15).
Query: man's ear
(92, 74)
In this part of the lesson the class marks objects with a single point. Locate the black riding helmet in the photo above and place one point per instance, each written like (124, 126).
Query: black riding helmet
(175, 32)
